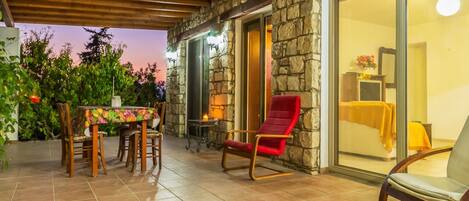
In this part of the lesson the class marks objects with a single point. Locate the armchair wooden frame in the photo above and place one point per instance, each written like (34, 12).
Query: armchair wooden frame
(252, 156)
(401, 167)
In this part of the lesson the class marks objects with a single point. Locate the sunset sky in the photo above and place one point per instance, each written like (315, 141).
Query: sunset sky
(143, 46)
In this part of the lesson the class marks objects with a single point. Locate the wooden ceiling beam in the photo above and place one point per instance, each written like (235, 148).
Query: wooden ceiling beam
(7, 17)
(87, 8)
(125, 4)
(79, 22)
(96, 15)
(198, 3)
(86, 19)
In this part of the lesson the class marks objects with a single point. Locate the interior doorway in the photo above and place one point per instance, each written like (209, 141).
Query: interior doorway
(257, 51)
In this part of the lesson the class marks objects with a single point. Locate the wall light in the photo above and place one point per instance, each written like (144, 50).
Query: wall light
(172, 56)
(448, 7)
(215, 41)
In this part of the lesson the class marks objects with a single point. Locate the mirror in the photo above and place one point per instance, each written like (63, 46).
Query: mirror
(387, 66)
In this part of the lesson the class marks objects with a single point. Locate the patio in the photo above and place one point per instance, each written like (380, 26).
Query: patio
(35, 174)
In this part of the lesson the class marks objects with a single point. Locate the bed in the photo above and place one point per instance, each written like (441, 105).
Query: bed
(368, 128)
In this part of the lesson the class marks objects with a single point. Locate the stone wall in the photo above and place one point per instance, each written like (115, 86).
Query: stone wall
(221, 71)
(176, 93)
(296, 71)
(222, 80)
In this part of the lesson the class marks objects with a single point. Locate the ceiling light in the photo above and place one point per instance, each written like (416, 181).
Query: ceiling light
(448, 7)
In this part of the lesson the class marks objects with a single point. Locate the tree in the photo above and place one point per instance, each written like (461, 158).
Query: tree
(96, 45)
(147, 88)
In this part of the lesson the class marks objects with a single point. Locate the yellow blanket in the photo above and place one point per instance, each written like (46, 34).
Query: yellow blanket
(417, 137)
(382, 116)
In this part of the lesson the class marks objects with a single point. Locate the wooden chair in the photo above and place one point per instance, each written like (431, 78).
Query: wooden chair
(74, 137)
(153, 134)
(124, 135)
(270, 139)
(413, 187)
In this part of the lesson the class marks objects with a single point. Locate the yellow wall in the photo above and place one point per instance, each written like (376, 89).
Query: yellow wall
(417, 82)
(447, 72)
(361, 38)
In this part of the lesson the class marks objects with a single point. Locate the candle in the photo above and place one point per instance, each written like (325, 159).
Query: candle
(205, 117)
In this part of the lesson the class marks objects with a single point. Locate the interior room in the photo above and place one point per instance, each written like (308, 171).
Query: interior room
(437, 85)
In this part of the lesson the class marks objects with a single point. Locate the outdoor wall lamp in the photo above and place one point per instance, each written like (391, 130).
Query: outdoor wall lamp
(172, 56)
(215, 41)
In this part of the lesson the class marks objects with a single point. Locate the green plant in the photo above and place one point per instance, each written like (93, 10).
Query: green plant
(16, 87)
(50, 74)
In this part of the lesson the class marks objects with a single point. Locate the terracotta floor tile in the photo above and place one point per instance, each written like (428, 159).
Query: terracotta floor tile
(125, 197)
(74, 195)
(157, 195)
(184, 176)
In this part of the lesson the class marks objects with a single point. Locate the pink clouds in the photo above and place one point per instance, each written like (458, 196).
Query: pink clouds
(142, 46)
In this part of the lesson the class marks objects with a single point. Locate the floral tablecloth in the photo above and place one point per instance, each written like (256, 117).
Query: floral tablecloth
(93, 115)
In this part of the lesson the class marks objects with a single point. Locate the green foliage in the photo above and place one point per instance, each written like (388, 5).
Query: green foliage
(96, 80)
(15, 89)
(147, 89)
(89, 83)
(51, 74)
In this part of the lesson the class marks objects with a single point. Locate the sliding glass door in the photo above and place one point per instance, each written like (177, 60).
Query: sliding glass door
(366, 87)
(398, 83)
(366, 102)
(438, 85)
(197, 78)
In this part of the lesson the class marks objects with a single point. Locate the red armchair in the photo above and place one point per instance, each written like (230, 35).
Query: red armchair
(269, 140)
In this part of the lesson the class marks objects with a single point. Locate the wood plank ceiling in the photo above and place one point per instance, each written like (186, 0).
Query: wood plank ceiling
(134, 14)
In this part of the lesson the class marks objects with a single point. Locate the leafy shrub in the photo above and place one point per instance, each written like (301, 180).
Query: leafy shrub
(16, 87)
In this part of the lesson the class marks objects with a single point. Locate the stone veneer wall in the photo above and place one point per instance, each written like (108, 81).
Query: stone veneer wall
(176, 93)
(296, 53)
(221, 71)
(295, 70)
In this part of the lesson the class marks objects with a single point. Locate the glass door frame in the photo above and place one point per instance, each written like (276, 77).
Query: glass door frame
(204, 65)
(333, 91)
(259, 19)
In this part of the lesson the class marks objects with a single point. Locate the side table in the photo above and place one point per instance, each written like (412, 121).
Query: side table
(200, 136)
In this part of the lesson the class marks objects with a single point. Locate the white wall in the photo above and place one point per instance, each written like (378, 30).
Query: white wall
(447, 72)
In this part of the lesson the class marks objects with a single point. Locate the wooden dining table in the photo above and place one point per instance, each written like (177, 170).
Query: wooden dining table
(94, 116)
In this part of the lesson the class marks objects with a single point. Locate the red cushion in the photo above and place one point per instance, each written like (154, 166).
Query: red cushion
(283, 116)
(247, 147)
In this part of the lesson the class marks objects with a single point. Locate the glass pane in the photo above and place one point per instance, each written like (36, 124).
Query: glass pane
(438, 85)
(253, 76)
(367, 93)
(268, 65)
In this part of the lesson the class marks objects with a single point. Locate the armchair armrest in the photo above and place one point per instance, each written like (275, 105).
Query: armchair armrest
(273, 136)
(400, 167)
(465, 197)
(229, 134)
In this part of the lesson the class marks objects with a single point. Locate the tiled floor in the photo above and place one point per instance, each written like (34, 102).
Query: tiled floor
(431, 166)
(35, 174)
